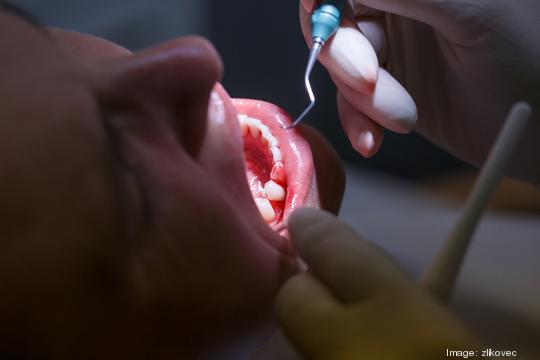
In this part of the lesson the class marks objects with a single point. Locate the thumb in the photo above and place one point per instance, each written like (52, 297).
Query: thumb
(352, 268)
(302, 303)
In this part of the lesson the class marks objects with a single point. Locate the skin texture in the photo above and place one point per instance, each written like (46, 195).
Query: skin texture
(121, 234)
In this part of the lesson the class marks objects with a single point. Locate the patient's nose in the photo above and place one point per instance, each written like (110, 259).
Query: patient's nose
(170, 82)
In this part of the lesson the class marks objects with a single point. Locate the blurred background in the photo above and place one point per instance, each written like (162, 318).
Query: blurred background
(405, 198)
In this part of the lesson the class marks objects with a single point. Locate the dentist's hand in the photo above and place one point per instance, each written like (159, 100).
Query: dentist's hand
(356, 303)
(463, 62)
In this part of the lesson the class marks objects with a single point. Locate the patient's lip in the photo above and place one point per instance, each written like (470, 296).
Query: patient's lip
(223, 157)
(294, 171)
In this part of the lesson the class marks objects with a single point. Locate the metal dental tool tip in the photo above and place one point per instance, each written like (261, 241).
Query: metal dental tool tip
(324, 23)
(313, 54)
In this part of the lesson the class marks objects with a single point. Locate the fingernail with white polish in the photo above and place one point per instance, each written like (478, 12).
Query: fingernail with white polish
(365, 143)
(355, 61)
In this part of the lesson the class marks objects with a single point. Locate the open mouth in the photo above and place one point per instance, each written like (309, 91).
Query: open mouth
(278, 162)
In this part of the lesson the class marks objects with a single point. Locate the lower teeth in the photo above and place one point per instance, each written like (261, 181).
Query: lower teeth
(266, 209)
(274, 191)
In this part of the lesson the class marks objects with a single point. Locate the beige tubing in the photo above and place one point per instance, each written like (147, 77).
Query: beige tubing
(439, 278)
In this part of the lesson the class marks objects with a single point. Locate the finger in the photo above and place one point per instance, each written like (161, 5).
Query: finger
(365, 135)
(369, 21)
(372, 23)
(308, 5)
(390, 105)
(441, 14)
(373, 30)
(348, 55)
(301, 305)
(353, 269)
(360, 10)
(357, 8)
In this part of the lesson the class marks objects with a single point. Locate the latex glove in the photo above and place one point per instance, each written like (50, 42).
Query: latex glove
(464, 63)
(357, 304)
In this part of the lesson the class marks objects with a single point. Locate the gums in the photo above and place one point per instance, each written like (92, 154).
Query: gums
(279, 164)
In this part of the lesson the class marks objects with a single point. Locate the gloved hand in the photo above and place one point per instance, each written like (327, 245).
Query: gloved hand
(463, 62)
(356, 303)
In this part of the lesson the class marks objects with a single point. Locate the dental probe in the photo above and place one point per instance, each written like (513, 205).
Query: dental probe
(440, 276)
(324, 23)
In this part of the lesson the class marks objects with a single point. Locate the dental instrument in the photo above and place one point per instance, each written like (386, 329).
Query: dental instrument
(440, 277)
(324, 23)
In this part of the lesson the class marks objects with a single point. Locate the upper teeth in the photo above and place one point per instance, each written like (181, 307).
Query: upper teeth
(278, 172)
(255, 127)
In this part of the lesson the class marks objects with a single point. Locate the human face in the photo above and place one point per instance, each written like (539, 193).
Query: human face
(127, 225)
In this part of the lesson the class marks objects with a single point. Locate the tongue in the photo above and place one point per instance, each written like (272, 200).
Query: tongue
(279, 164)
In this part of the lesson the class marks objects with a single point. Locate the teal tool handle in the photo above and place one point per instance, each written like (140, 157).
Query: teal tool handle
(325, 20)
